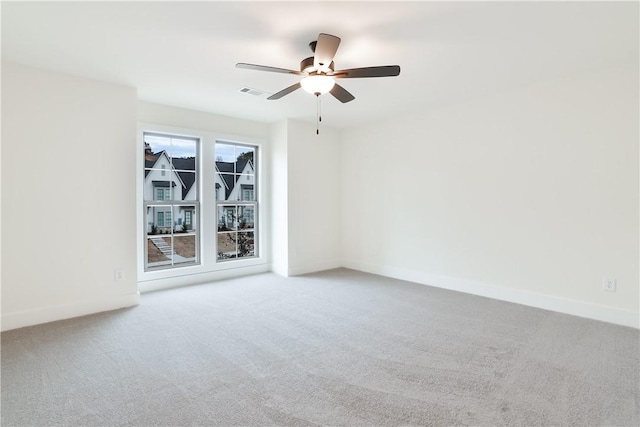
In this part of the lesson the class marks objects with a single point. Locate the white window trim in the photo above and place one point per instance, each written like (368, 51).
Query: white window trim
(208, 269)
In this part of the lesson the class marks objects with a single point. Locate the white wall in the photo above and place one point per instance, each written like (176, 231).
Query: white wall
(191, 119)
(314, 179)
(529, 196)
(279, 198)
(305, 194)
(68, 196)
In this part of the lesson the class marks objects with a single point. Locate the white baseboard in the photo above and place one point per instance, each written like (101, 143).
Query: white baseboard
(197, 278)
(313, 267)
(66, 311)
(546, 302)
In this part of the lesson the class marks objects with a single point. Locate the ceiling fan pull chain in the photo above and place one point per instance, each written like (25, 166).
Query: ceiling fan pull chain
(318, 117)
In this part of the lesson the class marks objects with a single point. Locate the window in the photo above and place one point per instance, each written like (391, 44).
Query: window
(163, 219)
(247, 192)
(203, 215)
(237, 206)
(171, 201)
(163, 194)
(247, 215)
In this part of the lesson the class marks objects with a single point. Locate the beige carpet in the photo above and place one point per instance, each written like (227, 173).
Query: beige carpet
(334, 348)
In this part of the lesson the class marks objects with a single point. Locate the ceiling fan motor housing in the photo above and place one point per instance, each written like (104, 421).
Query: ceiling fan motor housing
(306, 66)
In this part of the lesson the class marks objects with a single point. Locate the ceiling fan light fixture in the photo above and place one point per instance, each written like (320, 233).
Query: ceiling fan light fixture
(317, 84)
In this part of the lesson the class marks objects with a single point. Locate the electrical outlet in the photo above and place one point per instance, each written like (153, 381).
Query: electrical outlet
(118, 275)
(609, 284)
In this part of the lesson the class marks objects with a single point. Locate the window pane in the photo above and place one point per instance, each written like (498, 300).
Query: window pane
(227, 218)
(227, 246)
(182, 148)
(184, 249)
(168, 220)
(227, 186)
(187, 188)
(186, 219)
(245, 217)
(246, 191)
(159, 251)
(244, 160)
(150, 222)
(154, 145)
(159, 220)
(225, 153)
(246, 244)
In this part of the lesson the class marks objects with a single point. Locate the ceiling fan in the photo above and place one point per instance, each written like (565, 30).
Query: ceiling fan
(318, 71)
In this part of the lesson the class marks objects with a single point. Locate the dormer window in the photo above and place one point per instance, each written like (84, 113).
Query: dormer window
(163, 194)
(247, 192)
(162, 190)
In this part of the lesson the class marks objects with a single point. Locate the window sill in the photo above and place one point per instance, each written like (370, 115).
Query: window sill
(190, 275)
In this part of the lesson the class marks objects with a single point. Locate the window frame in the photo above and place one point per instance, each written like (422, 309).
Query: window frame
(169, 205)
(208, 269)
(240, 202)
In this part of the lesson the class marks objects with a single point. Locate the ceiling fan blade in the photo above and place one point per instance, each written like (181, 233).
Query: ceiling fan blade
(341, 94)
(265, 68)
(326, 48)
(284, 92)
(355, 73)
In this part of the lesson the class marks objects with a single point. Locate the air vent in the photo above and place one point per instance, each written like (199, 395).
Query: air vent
(251, 91)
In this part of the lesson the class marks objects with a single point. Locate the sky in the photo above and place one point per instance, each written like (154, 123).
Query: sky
(175, 147)
(184, 147)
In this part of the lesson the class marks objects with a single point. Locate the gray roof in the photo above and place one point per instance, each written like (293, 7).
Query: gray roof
(227, 170)
(182, 166)
(185, 167)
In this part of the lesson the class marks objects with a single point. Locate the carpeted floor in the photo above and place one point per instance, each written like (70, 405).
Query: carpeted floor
(333, 348)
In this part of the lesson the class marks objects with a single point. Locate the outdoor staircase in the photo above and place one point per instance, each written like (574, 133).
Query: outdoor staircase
(163, 246)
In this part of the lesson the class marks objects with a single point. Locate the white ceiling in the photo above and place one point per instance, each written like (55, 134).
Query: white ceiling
(184, 53)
